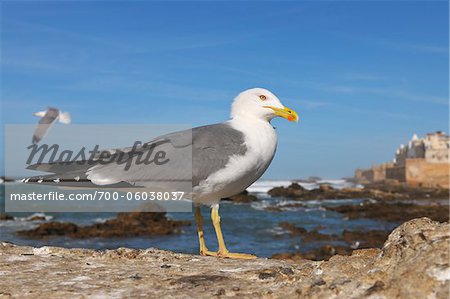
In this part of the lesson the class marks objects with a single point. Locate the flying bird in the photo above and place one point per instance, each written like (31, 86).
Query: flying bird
(226, 159)
(48, 118)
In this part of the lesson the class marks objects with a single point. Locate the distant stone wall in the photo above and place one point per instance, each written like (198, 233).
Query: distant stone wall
(377, 173)
(359, 175)
(421, 172)
(396, 173)
(363, 176)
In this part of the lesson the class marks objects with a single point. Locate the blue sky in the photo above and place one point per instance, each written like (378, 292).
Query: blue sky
(363, 76)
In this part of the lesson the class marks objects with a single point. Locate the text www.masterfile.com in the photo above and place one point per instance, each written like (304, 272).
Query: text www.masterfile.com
(97, 195)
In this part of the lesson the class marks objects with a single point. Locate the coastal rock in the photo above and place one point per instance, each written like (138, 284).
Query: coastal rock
(4, 179)
(293, 190)
(365, 239)
(124, 225)
(413, 263)
(311, 179)
(37, 218)
(393, 212)
(325, 191)
(326, 188)
(4, 216)
(243, 197)
(323, 253)
(349, 240)
(384, 191)
(293, 230)
(413, 192)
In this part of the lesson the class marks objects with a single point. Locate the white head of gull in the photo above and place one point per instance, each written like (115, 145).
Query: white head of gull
(260, 104)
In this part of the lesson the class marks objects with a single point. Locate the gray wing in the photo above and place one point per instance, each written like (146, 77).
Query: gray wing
(193, 155)
(44, 124)
(213, 146)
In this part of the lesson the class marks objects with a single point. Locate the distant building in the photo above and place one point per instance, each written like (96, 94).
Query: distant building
(437, 148)
(423, 162)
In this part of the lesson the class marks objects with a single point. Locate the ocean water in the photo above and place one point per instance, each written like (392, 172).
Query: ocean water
(246, 227)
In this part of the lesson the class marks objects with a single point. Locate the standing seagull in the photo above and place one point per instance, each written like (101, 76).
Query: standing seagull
(226, 159)
(48, 118)
(245, 145)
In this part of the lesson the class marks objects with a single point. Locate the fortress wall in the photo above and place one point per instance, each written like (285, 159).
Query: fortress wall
(374, 174)
(379, 173)
(396, 173)
(421, 172)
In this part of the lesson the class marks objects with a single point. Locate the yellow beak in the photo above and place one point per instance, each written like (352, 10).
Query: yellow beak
(285, 112)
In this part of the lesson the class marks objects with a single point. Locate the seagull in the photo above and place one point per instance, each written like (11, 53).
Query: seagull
(48, 118)
(227, 158)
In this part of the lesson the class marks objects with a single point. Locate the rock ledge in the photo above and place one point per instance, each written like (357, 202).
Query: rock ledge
(412, 264)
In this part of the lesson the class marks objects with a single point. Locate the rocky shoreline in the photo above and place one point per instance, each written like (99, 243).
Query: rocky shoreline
(124, 225)
(387, 206)
(396, 212)
(373, 191)
(413, 263)
(390, 211)
(243, 197)
(348, 241)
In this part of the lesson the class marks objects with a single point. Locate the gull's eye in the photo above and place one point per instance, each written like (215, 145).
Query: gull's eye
(262, 97)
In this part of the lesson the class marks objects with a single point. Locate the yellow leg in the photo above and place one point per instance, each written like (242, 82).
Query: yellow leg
(199, 219)
(223, 251)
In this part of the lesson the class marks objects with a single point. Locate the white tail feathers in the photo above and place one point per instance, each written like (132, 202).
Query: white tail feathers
(64, 117)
